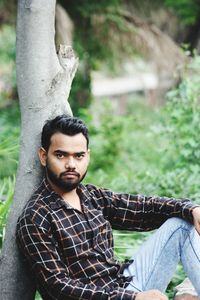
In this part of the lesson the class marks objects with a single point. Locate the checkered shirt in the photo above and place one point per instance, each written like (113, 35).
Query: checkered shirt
(71, 252)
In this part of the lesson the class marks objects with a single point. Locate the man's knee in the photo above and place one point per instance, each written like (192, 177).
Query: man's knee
(177, 223)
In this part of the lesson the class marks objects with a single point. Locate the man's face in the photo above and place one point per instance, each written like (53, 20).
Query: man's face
(66, 161)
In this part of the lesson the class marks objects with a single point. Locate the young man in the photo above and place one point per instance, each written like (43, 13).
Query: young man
(65, 230)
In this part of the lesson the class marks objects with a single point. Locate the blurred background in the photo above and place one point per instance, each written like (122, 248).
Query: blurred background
(137, 88)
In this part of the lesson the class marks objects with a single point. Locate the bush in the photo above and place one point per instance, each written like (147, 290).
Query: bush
(180, 169)
(123, 152)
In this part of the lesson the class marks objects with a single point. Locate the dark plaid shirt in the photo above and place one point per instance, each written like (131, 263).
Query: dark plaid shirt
(71, 252)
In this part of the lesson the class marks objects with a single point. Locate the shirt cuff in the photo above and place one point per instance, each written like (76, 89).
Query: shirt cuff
(187, 211)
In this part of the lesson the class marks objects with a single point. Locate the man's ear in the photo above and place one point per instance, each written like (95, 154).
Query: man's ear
(42, 156)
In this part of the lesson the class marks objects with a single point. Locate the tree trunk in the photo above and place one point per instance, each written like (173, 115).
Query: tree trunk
(44, 81)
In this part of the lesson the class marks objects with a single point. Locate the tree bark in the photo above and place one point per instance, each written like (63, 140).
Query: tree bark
(44, 81)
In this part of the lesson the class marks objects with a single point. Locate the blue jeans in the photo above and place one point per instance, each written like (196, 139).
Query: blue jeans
(156, 260)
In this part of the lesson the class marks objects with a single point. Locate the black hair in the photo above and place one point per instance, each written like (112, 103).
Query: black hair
(64, 124)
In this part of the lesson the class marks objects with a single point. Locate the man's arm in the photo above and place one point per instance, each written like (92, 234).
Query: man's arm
(142, 213)
(149, 213)
(50, 271)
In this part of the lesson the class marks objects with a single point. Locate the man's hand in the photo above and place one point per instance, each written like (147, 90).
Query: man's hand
(196, 218)
(151, 294)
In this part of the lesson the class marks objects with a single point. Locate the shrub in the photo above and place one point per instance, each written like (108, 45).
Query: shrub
(180, 169)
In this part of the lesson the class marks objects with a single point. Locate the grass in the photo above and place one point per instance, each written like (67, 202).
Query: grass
(6, 195)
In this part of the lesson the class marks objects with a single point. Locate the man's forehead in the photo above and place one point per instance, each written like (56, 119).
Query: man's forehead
(68, 141)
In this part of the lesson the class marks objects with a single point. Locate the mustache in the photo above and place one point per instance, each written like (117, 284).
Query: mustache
(69, 172)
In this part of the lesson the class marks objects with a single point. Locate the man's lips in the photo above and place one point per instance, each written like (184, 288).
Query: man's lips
(70, 174)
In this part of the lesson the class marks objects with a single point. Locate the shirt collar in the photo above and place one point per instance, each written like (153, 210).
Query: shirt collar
(56, 201)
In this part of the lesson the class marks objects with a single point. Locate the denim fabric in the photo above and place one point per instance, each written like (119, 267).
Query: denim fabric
(156, 260)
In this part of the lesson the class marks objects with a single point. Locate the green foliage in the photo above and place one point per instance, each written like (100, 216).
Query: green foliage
(127, 243)
(86, 8)
(106, 141)
(80, 95)
(123, 154)
(7, 63)
(37, 296)
(178, 277)
(103, 37)
(9, 141)
(7, 44)
(180, 166)
(9, 146)
(97, 41)
(187, 11)
(6, 195)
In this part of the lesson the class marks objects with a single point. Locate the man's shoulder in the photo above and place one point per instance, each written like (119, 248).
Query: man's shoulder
(38, 206)
(94, 189)
(98, 192)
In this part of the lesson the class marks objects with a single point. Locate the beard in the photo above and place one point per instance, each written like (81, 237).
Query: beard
(66, 185)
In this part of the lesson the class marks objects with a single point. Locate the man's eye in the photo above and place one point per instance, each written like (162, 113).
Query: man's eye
(59, 155)
(79, 155)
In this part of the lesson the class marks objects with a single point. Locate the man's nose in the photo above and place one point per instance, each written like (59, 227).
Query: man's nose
(70, 163)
